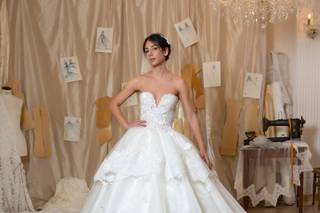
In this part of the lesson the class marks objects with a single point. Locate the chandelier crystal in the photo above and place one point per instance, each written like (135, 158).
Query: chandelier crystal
(259, 11)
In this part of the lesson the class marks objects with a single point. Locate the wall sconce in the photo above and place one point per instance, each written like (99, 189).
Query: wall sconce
(311, 30)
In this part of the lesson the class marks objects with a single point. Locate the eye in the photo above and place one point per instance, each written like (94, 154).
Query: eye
(146, 50)
(155, 47)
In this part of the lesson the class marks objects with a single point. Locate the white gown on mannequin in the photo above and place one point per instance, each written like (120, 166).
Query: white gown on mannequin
(155, 169)
(14, 196)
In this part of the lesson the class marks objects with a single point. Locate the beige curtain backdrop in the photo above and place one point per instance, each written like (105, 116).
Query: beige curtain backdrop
(42, 31)
(4, 43)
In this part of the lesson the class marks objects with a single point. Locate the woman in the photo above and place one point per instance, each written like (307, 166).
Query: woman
(154, 169)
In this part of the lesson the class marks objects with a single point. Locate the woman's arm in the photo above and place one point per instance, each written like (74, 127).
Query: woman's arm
(191, 117)
(117, 100)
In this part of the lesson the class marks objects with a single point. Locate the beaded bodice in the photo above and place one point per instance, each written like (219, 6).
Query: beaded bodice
(157, 114)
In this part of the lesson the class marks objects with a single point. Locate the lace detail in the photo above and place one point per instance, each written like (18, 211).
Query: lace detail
(282, 186)
(157, 116)
(121, 165)
(304, 166)
(264, 194)
(14, 196)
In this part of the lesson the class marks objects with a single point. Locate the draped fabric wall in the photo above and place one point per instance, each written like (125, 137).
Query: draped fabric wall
(42, 31)
(4, 43)
(243, 49)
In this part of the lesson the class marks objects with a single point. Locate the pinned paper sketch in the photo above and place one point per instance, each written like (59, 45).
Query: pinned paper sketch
(186, 32)
(145, 66)
(72, 128)
(252, 85)
(132, 100)
(104, 40)
(211, 74)
(70, 68)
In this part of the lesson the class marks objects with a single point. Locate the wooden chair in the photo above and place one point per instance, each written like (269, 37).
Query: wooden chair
(316, 184)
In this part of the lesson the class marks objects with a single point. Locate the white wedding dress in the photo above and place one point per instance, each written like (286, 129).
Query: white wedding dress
(155, 169)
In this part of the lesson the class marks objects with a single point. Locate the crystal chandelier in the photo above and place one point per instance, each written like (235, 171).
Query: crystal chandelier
(258, 11)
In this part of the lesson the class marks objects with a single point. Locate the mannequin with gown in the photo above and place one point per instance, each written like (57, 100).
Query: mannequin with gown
(14, 196)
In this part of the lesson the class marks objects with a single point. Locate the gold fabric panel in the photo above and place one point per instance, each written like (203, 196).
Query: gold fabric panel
(103, 113)
(229, 144)
(41, 146)
(104, 135)
(251, 116)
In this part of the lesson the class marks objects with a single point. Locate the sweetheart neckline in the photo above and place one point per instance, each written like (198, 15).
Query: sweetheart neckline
(157, 103)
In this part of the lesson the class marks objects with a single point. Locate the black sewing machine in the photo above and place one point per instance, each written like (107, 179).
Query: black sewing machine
(294, 125)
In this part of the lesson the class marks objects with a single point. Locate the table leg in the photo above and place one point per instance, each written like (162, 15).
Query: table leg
(246, 182)
(296, 192)
(300, 192)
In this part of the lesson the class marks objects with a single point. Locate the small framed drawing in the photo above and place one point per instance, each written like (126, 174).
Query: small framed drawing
(252, 85)
(104, 40)
(70, 68)
(211, 74)
(186, 32)
(132, 100)
(72, 128)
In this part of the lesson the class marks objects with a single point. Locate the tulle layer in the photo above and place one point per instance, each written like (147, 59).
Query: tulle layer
(157, 171)
(153, 194)
(146, 151)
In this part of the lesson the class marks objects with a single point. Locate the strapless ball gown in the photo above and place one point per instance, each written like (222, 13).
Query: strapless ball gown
(155, 169)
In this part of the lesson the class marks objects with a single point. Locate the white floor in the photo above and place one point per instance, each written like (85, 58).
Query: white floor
(308, 208)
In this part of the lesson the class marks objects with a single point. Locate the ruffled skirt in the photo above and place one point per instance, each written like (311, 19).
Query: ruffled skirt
(157, 171)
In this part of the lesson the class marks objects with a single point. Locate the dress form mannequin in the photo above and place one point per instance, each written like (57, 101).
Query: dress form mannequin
(14, 195)
(14, 107)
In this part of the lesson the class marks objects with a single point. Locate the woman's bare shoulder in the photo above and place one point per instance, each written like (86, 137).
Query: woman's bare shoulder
(178, 80)
(137, 82)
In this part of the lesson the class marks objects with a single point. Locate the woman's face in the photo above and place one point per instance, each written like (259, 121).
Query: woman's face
(154, 53)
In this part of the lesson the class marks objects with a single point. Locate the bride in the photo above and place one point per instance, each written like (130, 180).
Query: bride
(153, 168)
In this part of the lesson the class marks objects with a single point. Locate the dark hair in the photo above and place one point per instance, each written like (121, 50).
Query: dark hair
(159, 40)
